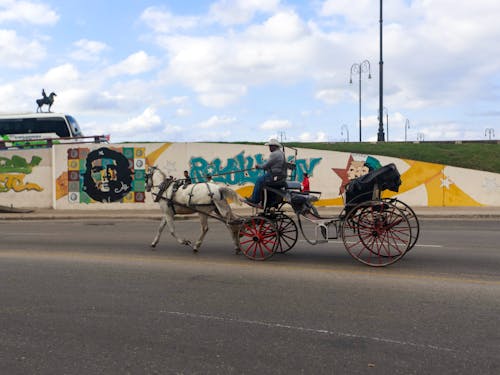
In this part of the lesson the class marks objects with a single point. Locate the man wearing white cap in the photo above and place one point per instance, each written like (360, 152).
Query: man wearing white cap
(275, 168)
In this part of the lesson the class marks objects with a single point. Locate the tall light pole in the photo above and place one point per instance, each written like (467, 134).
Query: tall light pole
(344, 127)
(380, 134)
(407, 126)
(386, 111)
(356, 68)
(490, 132)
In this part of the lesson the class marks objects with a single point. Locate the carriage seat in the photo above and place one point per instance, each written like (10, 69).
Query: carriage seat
(386, 177)
(293, 185)
(370, 185)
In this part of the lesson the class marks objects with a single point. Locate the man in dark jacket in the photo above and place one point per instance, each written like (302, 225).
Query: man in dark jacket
(275, 170)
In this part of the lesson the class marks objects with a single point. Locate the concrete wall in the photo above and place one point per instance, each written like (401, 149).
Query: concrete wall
(26, 178)
(66, 176)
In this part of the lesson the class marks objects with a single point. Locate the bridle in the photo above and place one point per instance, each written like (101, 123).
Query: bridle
(162, 187)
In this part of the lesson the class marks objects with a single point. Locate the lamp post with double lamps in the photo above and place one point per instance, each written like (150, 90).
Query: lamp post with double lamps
(362, 67)
(489, 132)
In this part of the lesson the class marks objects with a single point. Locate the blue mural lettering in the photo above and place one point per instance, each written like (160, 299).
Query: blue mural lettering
(239, 170)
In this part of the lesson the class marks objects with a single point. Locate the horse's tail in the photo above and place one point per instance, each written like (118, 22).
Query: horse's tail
(228, 193)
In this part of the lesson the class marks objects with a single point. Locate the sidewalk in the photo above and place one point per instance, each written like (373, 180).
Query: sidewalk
(8, 213)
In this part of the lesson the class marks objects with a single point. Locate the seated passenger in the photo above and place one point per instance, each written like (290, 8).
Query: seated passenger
(275, 170)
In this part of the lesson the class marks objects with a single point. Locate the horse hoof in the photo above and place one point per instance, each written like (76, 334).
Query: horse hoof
(195, 251)
(153, 245)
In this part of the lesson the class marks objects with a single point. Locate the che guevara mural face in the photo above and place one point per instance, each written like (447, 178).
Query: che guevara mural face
(106, 175)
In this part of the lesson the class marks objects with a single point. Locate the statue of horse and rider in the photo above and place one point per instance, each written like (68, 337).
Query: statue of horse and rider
(45, 100)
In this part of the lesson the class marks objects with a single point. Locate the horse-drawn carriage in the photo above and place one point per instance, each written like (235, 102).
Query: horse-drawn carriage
(375, 231)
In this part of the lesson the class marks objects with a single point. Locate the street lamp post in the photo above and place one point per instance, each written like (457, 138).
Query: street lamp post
(344, 127)
(386, 111)
(356, 68)
(489, 132)
(380, 134)
(407, 126)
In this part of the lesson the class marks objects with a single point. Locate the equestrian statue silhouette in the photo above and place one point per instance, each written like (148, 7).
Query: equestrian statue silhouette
(45, 100)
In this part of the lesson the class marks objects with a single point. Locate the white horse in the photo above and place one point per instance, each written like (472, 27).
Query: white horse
(203, 198)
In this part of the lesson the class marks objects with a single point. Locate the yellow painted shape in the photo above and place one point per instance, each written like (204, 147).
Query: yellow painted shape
(434, 192)
(129, 198)
(153, 156)
(74, 164)
(62, 185)
(339, 201)
(139, 152)
(454, 196)
(245, 191)
(419, 173)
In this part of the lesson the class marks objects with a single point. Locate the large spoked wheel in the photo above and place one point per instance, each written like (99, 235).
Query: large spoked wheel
(258, 238)
(376, 233)
(412, 219)
(288, 233)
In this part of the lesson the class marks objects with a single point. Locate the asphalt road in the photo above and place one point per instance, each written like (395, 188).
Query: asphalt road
(91, 297)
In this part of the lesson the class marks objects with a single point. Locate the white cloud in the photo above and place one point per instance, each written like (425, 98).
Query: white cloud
(145, 122)
(232, 12)
(17, 52)
(162, 21)
(221, 69)
(27, 12)
(62, 75)
(275, 125)
(88, 50)
(331, 96)
(313, 137)
(137, 63)
(216, 121)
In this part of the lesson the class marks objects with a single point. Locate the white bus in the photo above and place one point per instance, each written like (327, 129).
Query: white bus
(33, 126)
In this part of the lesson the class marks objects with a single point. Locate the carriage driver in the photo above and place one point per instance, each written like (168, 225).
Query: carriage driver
(275, 168)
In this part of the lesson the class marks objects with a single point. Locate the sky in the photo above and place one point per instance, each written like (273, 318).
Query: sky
(251, 70)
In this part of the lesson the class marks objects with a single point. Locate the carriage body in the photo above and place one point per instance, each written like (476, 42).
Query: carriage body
(375, 231)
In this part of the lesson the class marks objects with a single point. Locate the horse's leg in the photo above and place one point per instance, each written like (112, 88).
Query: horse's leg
(204, 230)
(168, 220)
(234, 230)
(226, 212)
(163, 222)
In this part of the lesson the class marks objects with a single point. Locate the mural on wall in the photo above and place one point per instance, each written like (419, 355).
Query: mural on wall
(83, 179)
(13, 172)
(105, 175)
(357, 166)
(239, 169)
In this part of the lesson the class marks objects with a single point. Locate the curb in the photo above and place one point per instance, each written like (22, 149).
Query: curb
(9, 213)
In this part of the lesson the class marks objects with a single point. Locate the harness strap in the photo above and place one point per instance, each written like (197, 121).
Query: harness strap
(191, 194)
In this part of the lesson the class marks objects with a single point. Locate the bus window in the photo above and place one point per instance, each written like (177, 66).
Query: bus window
(74, 126)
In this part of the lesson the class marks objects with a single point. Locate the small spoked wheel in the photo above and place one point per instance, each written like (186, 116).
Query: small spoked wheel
(258, 238)
(376, 233)
(287, 231)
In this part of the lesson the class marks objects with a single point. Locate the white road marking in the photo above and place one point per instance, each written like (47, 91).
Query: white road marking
(338, 242)
(305, 329)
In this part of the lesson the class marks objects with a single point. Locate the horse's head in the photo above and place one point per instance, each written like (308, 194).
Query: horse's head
(149, 177)
(154, 177)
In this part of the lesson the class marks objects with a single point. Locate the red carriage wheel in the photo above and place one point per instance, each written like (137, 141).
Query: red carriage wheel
(258, 238)
(411, 216)
(376, 233)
